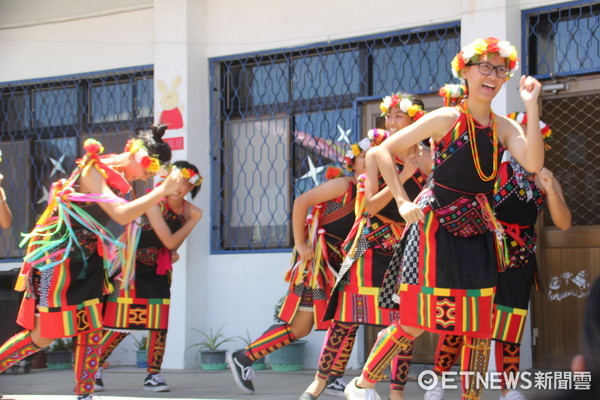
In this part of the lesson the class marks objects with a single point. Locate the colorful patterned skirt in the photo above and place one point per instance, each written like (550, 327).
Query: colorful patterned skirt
(512, 302)
(357, 295)
(448, 281)
(68, 298)
(144, 305)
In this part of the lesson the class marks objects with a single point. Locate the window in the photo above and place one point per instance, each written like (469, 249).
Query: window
(563, 40)
(42, 128)
(280, 118)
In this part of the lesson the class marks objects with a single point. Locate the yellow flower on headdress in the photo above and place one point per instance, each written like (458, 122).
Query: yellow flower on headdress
(480, 46)
(134, 145)
(154, 165)
(355, 149)
(185, 173)
(412, 110)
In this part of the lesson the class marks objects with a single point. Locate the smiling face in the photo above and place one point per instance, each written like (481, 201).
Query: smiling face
(484, 87)
(184, 188)
(396, 120)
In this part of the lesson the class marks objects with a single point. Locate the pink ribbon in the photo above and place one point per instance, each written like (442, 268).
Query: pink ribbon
(163, 262)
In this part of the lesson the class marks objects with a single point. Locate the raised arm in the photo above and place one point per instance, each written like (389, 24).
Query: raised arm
(377, 199)
(435, 124)
(327, 191)
(374, 198)
(559, 211)
(528, 149)
(172, 240)
(123, 213)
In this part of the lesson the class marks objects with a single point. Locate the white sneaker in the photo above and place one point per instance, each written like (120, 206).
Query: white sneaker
(513, 395)
(353, 392)
(437, 393)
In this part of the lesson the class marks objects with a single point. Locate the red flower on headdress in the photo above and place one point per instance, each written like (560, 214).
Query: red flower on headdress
(145, 162)
(492, 45)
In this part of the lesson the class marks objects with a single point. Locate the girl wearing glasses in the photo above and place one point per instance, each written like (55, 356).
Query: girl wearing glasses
(519, 198)
(449, 259)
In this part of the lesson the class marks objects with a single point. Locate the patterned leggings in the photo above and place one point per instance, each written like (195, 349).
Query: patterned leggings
(155, 343)
(508, 356)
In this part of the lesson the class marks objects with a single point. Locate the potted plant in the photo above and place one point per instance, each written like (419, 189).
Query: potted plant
(212, 357)
(290, 357)
(60, 353)
(141, 357)
(258, 364)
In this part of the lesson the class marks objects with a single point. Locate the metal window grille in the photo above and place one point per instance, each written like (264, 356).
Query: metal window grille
(562, 42)
(562, 39)
(43, 124)
(574, 150)
(280, 118)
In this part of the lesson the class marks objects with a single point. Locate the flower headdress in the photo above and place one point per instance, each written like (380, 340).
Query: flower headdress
(377, 136)
(474, 50)
(521, 118)
(355, 150)
(452, 93)
(192, 176)
(404, 103)
(140, 153)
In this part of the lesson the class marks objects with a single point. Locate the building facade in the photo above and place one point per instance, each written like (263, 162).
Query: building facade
(260, 95)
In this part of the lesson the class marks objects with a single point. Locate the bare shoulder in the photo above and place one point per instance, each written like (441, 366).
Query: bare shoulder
(91, 182)
(442, 120)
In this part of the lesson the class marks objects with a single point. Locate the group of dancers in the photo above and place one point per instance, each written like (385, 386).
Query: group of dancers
(443, 238)
(438, 238)
(81, 280)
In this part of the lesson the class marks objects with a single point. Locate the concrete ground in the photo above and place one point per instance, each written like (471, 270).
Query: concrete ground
(125, 383)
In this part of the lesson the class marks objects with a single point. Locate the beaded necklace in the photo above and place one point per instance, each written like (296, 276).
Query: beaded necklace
(473, 143)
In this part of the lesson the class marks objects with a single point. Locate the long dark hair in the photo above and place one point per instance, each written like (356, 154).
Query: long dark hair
(153, 142)
(185, 164)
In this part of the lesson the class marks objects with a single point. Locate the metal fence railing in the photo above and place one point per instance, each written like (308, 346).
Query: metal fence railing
(562, 39)
(43, 124)
(278, 118)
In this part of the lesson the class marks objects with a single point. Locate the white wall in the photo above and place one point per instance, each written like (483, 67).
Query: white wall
(178, 37)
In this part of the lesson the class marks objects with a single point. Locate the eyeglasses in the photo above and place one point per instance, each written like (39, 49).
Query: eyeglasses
(485, 68)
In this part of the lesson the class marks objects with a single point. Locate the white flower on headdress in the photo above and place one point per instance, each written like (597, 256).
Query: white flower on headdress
(194, 179)
(350, 154)
(405, 105)
(140, 154)
(387, 102)
(520, 118)
(505, 48)
(468, 52)
(364, 144)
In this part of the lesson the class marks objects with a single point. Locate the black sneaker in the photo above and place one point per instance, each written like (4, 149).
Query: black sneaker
(85, 397)
(242, 373)
(155, 383)
(335, 386)
(98, 384)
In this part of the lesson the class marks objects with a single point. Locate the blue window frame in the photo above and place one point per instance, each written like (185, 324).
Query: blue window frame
(562, 40)
(43, 124)
(279, 118)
